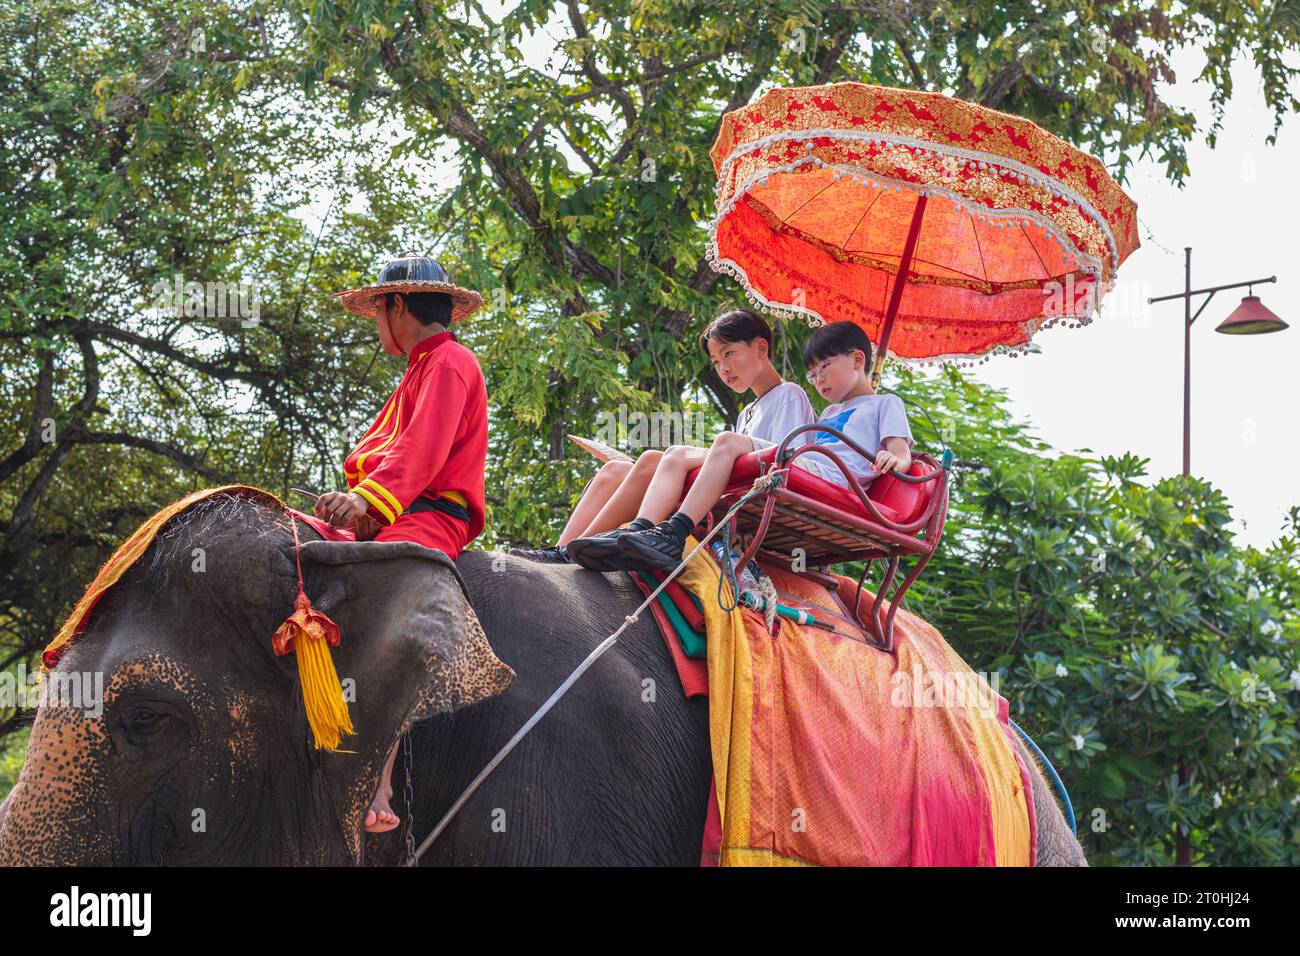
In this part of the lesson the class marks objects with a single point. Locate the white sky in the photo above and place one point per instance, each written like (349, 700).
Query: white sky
(1117, 385)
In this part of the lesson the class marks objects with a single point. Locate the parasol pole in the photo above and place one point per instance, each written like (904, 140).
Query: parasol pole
(896, 294)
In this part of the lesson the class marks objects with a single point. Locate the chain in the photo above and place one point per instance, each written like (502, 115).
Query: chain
(409, 796)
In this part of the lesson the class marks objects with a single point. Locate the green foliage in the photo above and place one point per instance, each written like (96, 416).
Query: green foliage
(1154, 659)
(586, 180)
(13, 750)
(141, 147)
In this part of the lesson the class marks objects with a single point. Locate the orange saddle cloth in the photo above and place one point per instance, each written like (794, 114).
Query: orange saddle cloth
(827, 750)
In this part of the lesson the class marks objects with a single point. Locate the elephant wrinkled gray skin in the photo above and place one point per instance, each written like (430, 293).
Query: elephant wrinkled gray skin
(203, 755)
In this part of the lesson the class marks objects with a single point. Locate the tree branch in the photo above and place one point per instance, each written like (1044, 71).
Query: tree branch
(42, 409)
(182, 458)
(20, 523)
(621, 96)
(917, 78)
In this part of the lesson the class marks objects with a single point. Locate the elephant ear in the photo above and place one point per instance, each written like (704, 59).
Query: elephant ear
(411, 645)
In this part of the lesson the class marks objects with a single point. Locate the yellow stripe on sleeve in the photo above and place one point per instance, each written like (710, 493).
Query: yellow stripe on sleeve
(387, 495)
(380, 506)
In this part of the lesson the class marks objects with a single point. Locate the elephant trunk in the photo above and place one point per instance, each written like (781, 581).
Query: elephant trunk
(55, 815)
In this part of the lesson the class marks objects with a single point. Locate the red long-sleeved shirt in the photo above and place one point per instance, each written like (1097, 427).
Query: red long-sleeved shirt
(430, 438)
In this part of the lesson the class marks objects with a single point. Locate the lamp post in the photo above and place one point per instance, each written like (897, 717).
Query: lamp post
(1249, 318)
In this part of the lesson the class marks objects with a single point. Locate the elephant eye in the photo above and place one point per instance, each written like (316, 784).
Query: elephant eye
(145, 720)
(139, 727)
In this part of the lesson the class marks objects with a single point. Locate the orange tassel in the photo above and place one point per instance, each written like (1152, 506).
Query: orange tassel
(310, 633)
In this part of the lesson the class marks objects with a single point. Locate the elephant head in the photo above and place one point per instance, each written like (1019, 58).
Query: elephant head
(196, 747)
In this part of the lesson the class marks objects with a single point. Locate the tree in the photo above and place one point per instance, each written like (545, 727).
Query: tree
(1155, 660)
(585, 183)
(142, 152)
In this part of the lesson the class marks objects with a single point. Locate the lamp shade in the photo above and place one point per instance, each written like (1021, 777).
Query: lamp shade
(1251, 318)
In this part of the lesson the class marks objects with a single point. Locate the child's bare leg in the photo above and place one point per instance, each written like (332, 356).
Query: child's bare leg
(714, 476)
(662, 545)
(599, 491)
(622, 507)
(660, 499)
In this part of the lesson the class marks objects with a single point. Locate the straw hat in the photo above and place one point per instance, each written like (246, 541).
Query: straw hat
(411, 273)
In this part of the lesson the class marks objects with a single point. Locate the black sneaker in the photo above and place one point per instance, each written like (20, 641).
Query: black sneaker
(556, 554)
(653, 550)
(596, 551)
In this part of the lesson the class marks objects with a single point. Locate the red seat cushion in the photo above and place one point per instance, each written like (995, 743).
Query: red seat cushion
(904, 498)
(899, 501)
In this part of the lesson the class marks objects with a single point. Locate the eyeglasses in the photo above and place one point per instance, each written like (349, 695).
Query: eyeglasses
(819, 370)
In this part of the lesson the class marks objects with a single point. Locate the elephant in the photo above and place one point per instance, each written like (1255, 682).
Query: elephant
(202, 755)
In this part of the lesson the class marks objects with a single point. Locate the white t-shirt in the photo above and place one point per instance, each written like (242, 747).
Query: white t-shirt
(771, 416)
(868, 420)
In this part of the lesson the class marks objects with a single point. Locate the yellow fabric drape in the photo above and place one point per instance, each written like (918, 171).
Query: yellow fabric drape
(805, 728)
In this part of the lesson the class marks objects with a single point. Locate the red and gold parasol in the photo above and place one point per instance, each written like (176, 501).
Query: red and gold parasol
(827, 193)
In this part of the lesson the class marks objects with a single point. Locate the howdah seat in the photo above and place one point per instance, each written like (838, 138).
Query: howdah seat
(897, 516)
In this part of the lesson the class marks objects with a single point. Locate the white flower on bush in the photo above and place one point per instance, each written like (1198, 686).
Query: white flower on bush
(1077, 740)
(1238, 568)
(1252, 593)
(1236, 741)
(1217, 799)
(1061, 670)
(1270, 628)
(1295, 680)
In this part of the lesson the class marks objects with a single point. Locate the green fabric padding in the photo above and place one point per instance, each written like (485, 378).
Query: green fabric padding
(692, 641)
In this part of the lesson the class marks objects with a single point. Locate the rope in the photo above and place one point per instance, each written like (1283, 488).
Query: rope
(767, 592)
(766, 482)
(760, 486)
(728, 567)
(1056, 780)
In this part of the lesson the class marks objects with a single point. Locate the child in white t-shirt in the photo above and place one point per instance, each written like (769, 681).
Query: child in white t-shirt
(768, 418)
(838, 358)
(739, 344)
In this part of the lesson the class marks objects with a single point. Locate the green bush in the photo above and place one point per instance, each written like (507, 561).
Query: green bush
(1153, 658)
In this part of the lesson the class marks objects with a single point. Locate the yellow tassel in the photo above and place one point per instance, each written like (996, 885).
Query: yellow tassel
(309, 633)
(327, 711)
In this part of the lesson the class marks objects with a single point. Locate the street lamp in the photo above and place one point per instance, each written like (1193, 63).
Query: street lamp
(1249, 318)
